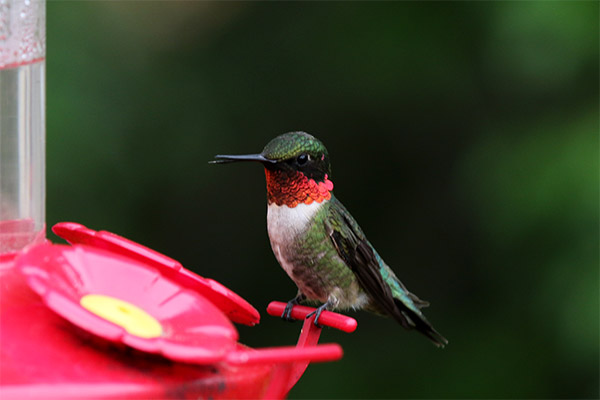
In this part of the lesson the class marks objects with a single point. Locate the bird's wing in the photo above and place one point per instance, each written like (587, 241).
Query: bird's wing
(371, 273)
(353, 247)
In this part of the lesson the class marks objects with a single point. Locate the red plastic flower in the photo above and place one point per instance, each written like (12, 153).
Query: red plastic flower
(235, 307)
(124, 300)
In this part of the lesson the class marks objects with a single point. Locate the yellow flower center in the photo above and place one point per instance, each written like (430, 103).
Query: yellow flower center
(132, 318)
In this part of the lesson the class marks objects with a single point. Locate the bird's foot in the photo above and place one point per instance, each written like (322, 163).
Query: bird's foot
(287, 311)
(318, 312)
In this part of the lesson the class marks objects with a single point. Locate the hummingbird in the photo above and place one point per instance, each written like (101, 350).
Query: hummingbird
(320, 245)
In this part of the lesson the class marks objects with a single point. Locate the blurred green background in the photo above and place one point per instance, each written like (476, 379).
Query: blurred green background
(463, 137)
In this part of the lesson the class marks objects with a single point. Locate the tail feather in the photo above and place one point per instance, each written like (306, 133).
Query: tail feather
(418, 321)
(417, 301)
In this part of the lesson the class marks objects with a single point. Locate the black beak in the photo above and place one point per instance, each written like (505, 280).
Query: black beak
(222, 159)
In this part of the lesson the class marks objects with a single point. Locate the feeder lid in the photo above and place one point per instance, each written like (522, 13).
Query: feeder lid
(234, 306)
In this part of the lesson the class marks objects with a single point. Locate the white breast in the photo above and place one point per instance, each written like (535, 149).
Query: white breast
(284, 224)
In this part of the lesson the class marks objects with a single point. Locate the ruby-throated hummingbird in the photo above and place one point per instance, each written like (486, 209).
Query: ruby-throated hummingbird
(319, 244)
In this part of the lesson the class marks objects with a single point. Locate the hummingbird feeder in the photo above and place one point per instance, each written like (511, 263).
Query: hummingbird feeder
(106, 317)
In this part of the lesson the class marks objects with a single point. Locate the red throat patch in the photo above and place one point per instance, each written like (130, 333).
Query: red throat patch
(295, 188)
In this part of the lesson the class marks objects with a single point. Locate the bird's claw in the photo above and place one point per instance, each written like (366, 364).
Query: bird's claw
(317, 314)
(287, 311)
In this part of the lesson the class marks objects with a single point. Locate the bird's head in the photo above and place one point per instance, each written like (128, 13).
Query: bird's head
(297, 169)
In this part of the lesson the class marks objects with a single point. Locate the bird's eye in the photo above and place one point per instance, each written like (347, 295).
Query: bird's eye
(302, 159)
